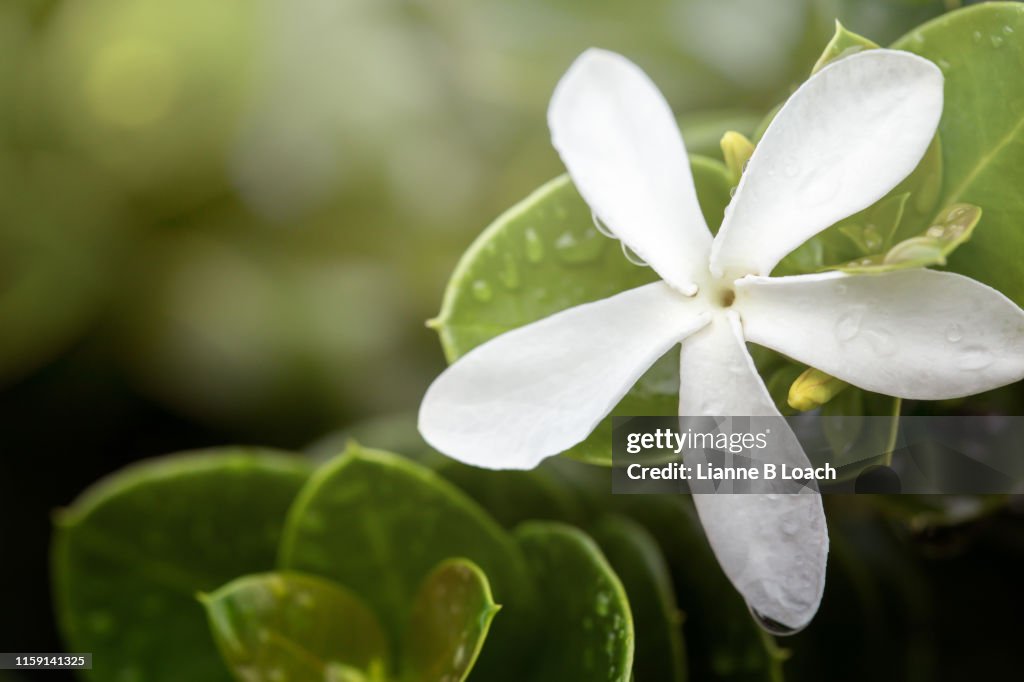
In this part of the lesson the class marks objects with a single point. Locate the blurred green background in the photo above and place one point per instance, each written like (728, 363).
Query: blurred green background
(226, 222)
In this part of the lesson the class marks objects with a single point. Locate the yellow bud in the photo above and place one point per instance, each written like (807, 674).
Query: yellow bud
(813, 389)
(736, 149)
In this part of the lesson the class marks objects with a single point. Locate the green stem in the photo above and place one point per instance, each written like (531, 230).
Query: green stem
(894, 429)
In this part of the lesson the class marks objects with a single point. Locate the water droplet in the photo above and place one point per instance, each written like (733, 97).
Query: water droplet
(1007, 30)
(974, 358)
(997, 41)
(632, 257)
(976, 37)
(574, 249)
(882, 342)
(482, 291)
(936, 231)
(534, 246)
(848, 326)
(600, 226)
(943, 64)
(770, 625)
(509, 274)
(918, 39)
(732, 191)
(603, 603)
(872, 238)
(954, 332)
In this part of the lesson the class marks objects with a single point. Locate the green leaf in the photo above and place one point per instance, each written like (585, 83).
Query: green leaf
(449, 623)
(637, 560)
(952, 227)
(544, 255)
(980, 50)
(588, 626)
(131, 553)
(379, 524)
(289, 626)
(843, 44)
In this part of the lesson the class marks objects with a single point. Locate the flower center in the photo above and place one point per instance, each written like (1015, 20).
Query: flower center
(725, 296)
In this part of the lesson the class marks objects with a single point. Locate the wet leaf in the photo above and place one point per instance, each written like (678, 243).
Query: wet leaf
(450, 618)
(379, 524)
(952, 227)
(131, 553)
(588, 629)
(979, 49)
(288, 626)
(637, 560)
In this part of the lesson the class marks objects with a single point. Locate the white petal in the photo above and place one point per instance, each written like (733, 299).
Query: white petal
(845, 138)
(772, 547)
(915, 333)
(540, 389)
(617, 136)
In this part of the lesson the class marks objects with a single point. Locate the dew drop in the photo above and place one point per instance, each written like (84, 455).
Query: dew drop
(976, 37)
(732, 191)
(1007, 30)
(936, 231)
(573, 249)
(632, 257)
(943, 64)
(534, 246)
(600, 226)
(872, 239)
(770, 625)
(954, 332)
(974, 358)
(997, 41)
(848, 326)
(603, 603)
(509, 274)
(482, 291)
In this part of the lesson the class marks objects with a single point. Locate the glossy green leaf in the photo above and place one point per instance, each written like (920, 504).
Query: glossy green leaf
(980, 50)
(637, 560)
(131, 553)
(379, 524)
(952, 227)
(588, 628)
(545, 255)
(448, 625)
(274, 627)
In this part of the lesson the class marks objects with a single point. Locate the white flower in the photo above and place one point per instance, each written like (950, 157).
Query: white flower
(841, 142)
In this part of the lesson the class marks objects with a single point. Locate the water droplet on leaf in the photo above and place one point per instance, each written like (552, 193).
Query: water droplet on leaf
(482, 291)
(600, 226)
(534, 246)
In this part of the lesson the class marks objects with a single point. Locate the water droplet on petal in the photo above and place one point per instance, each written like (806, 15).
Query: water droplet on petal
(954, 332)
(601, 227)
(632, 257)
(848, 326)
(974, 358)
(770, 625)
(482, 291)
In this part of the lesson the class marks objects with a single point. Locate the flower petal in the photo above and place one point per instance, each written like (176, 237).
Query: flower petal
(845, 138)
(918, 334)
(617, 136)
(772, 547)
(540, 389)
